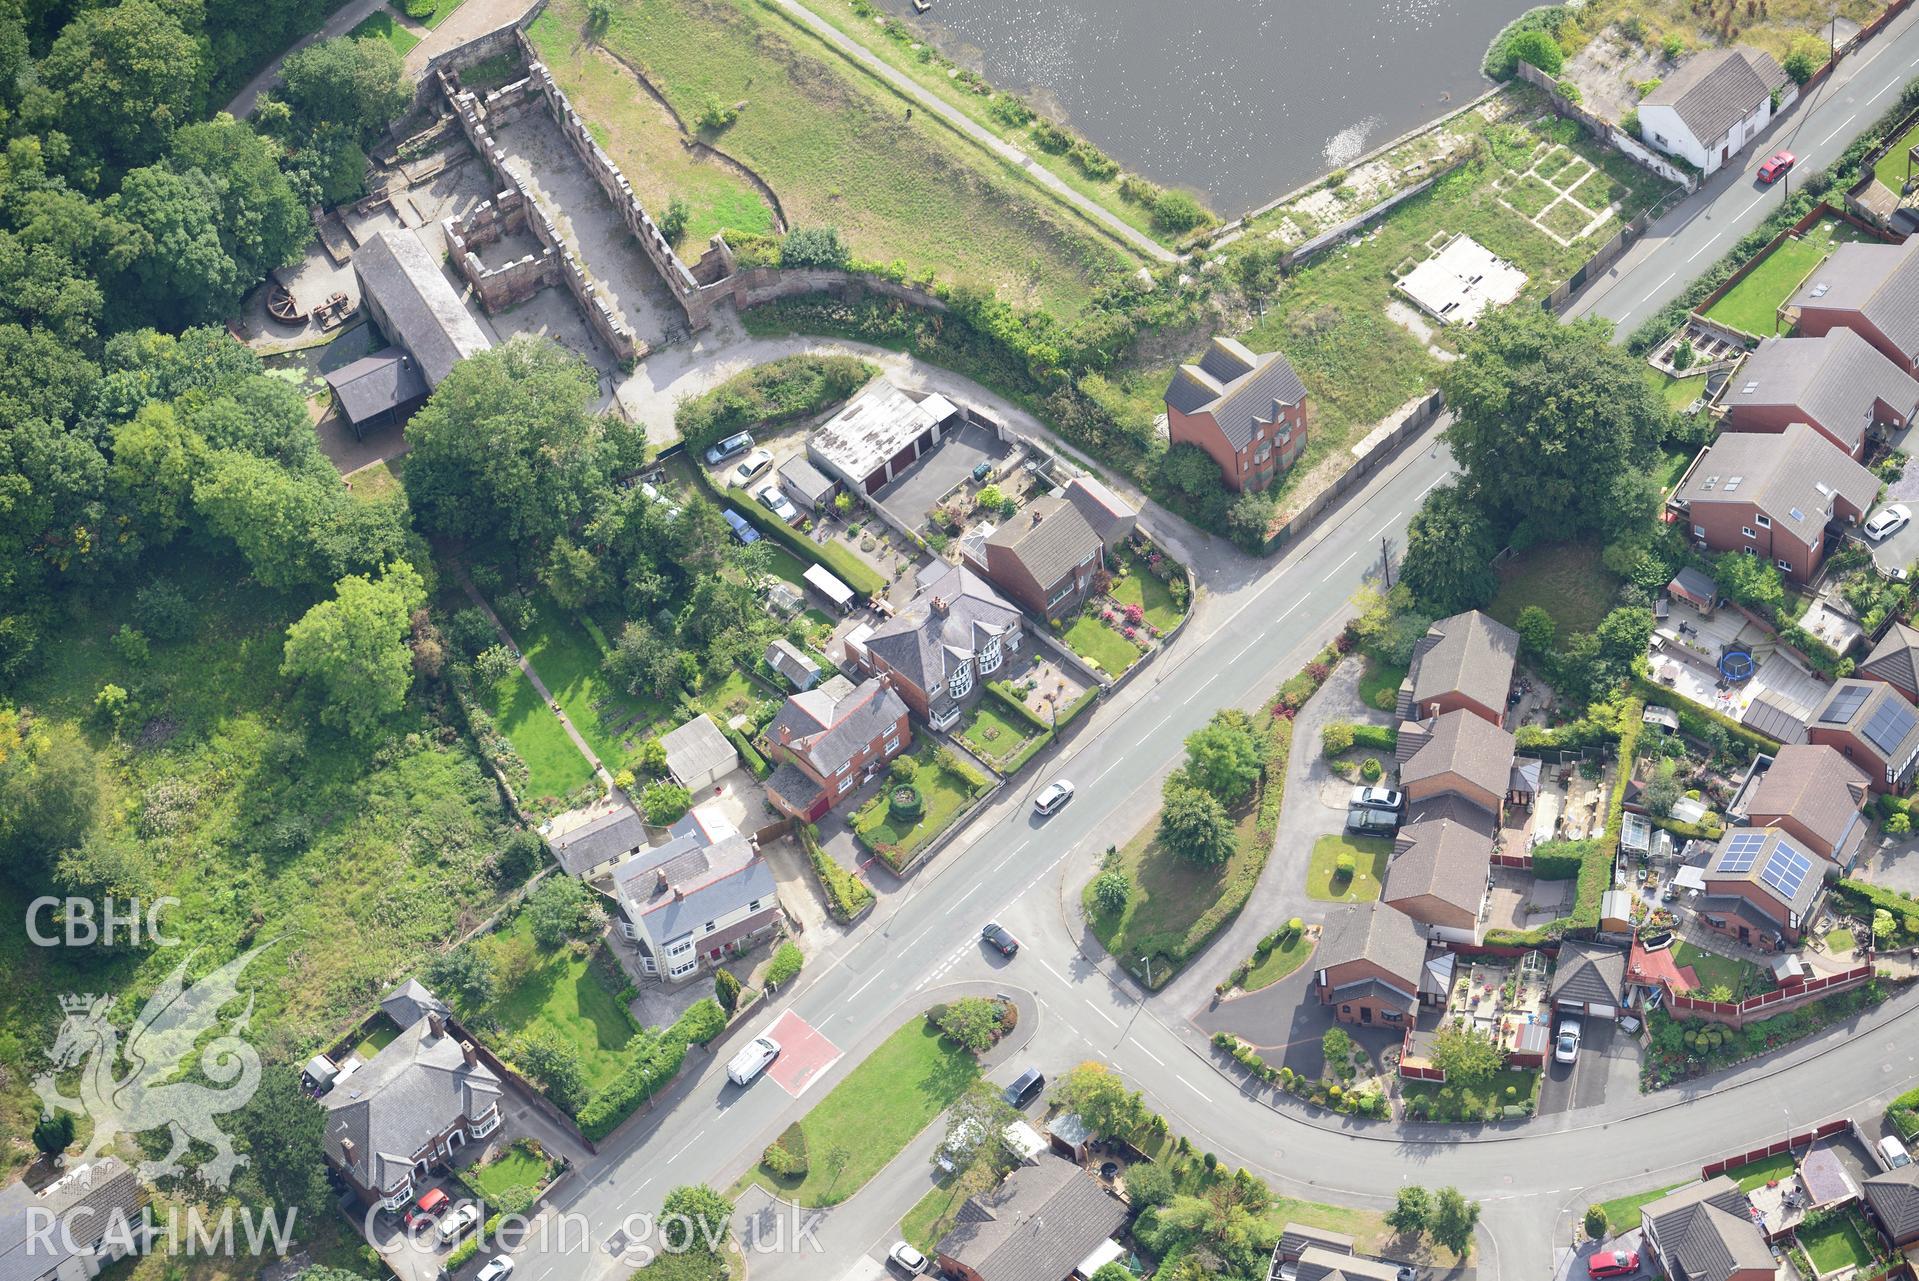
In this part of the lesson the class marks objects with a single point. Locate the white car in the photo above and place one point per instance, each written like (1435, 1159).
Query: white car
(1886, 521)
(776, 502)
(754, 1058)
(1893, 1152)
(496, 1267)
(1375, 798)
(1052, 796)
(1566, 1049)
(752, 465)
(459, 1223)
(906, 1259)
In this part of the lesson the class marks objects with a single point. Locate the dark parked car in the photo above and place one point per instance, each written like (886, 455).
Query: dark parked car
(1023, 1091)
(1370, 822)
(1001, 939)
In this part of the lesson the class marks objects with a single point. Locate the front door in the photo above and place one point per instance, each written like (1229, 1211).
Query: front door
(1365, 1014)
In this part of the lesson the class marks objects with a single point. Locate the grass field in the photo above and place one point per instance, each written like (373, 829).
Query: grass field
(1099, 644)
(1567, 580)
(995, 735)
(569, 659)
(1169, 895)
(912, 1077)
(943, 794)
(1370, 854)
(1281, 961)
(1623, 1212)
(1752, 305)
(835, 146)
(1837, 1243)
(559, 993)
(228, 795)
(380, 25)
(644, 141)
(554, 765)
(1139, 587)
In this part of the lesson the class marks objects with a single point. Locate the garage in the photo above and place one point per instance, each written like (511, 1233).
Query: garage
(1589, 980)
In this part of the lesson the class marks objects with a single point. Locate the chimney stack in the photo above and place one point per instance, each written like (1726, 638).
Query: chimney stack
(468, 1053)
(940, 606)
(346, 1150)
(435, 1025)
(660, 885)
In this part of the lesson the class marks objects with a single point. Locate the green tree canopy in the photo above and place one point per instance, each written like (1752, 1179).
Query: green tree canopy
(1194, 825)
(1412, 1210)
(1453, 1221)
(49, 785)
(1102, 1100)
(353, 647)
(263, 223)
(1467, 1057)
(696, 1219)
(1450, 545)
(180, 269)
(1223, 757)
(281, 1127)
(127, 76)
(358, 85)
(553, 1062)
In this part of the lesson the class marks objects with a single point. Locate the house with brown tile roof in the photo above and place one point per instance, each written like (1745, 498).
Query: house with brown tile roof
(1815, 795)
(1895, 660)
(1705, 1232)
(829, 740)
(1247, 410)
(1458, 752)
(1441, 865)
(1043, 556)
(943, 645)
(1871, 289)
(1761, 888)
(1893, 1199)
(1589, 979)
(1369, 960)
(1465, 661)
(1839, 384)
(1773, 495)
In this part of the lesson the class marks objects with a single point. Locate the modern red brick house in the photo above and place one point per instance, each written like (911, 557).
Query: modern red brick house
(829, 740)
(1458, 753)
(1893, 1199)
(1043, 556)
(1462, 663)
(1705, 1232)
(1761, 888)
(1870, 289)
(1816, 796)
(1441, 867)
(1872, 725)
(1370, 957)
(1895, 660)
(1247, 410)
(1847, 391)
(1779, 496)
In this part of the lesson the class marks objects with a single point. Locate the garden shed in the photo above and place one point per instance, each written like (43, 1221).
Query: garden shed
(839, 594)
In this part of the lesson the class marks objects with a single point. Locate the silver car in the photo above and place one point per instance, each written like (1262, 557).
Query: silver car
(776, 502)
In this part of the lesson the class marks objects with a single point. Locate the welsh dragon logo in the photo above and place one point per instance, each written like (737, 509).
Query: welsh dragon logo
(160, 1044)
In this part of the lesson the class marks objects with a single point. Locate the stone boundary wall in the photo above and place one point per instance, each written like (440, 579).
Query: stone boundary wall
(1611, 134)
(510, 283)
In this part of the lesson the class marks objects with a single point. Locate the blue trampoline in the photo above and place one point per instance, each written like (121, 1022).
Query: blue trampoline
(1736, 665)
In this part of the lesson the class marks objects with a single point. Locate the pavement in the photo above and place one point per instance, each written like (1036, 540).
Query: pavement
(1704, 226)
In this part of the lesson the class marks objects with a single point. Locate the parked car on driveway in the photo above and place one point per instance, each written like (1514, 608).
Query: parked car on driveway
(1776, 167)
(742, 528)
(1371, 822)
(459, 1223)
(1612, 1263)
(1893, 1152)
(1051, 797)
(717, 454)
(1887, 521)
(1376, 798)
(906, 1259)
(1001, 939)
(777, 502)
(1566, 1048)
(752, 465)
(432, 1203)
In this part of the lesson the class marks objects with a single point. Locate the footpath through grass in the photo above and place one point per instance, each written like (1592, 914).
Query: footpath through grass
(866, 1120)
(571, 662)
(836, 147)
(554, 765)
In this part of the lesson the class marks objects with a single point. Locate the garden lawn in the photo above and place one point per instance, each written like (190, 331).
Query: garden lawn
(1567, 580)
(380, 25)
(1752, 305)
(1622, 1212)
(570, 659)
(517, 1167)
(932, 1215)
(996, 735)
(1379, 679)
(377, 482)
(1842, 942)
(912, 1077)
(1891, 169)
(1756, 1174)
(1713, 969)
(736, 694)
(383, 1034)
(784, 564)
(1836, 1243)
(645, 141)
(232, 798)
(554, 765)
(1100, 645)
(1170, 894)
(1139, 587)
(943, 795)
(832, 141)
(1323, 881)
(1279, 962)
(558, 993)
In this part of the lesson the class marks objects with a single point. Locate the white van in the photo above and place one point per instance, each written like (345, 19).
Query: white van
(753, 1059)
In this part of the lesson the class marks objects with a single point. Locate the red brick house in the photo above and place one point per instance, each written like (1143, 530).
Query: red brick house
(1893, 1198)
(1761, 888)
(1462, 663)
(1458, 753)
(1247, 410)
(829, 740)
(1705, 1232)
(1773, 495)
(1840, 385)
(1869, 289)
(1895, 660)
(1872, 725)
(1044, 556)
(1370, 957)
(942, 645)
(1441, 866)
(1816, 796)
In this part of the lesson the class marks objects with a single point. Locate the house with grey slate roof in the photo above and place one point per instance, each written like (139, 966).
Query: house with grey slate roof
(1463, 662)
(386, 386)
(1716, 102)
(1039, 1224)
(1773, 495)
(391, 1121)
(1589, 979)
(1044, 557)
(705, 895)
(1870, 289)
(408, 295)
(1893, 1199)
(1368, 965)
(601, 841)
(831, 739)
(73, 1227)
(1847, 391)
(942, 645)
(1111, 516)
(1246, 409)
(1705, 1232)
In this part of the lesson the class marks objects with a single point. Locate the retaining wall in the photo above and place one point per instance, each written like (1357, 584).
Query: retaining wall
(1606, 131)
(1379, 455)
(1764, 1006)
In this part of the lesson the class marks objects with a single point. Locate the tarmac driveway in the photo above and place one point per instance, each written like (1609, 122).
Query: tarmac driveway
(951, 461)
(1607, 1067)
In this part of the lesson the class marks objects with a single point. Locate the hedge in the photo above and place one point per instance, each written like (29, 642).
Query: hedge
(1573, 736)
(1378, 738)
(656, 1058)
(846, 894)
(1903, 1115)
(748, 753)
(1078, 705)
(785, 964)
(1687, 831)
(1694, 717)
(850, 569)
(1864, 897)
(1561, 860)
(768, 395)
(1014, 704)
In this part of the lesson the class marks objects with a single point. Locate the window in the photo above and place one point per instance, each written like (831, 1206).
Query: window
(1784, 564)
(961, 683)
(989, 657)
(844, 768)
(1763, 521)
(1698, 531)
(754, 906)
(841, 786)
(891, 745)
(1747, 531)
(709, 927)
(1750, 551)
(681, 971)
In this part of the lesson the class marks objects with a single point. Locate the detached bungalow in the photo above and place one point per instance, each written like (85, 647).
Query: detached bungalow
(1716, 102)
(1039, 1224)
(1589, 979)
(1705, 1232)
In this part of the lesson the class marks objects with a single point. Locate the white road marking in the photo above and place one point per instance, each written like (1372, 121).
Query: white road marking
(1156, 724)
(1103, 773)
(689, 1143)
(1050, 970)
(1194, 1088)
(1148, 1053)
(1096, 1010)
(862, 987)
(1662, 284)
(1383, 528)
(1835, 133)
(1010, 857)
(1342, 564)
(1430, 488)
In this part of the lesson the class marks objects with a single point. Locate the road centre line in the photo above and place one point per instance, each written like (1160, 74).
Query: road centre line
(689, 1143)
(1088, 1006)
(1829, 137)
(1050, 970)
(1194, 1088)
(1148, 1053)
(1342, 564)
(1382, 529)
(862, 987)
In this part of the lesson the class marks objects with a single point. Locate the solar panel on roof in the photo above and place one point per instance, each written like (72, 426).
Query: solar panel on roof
(1845, 703)
(1741, 849)
(1786, 870)
(1889, 725)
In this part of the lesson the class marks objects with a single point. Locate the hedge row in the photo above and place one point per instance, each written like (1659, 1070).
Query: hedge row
(1561, 860)
(846, 894)
(1570, 737)
(1078, 705)
(1903, 1115)
(1863, 897)
(656, 1057)
(1013, 703)
(748, 753)
(850, 569)
(768, 395)
(1378, 738)
(1695, 717)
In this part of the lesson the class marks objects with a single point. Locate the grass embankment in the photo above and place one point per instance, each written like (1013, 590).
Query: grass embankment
(554, 992)
(230, 797)
(834, 145)
(1325, 882)
(1287, 956)
(1567, 580)
(1752, 305)
(554, 765)
(852, 1133)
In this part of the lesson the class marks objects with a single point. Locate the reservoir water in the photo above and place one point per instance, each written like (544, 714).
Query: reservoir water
(1239, 100)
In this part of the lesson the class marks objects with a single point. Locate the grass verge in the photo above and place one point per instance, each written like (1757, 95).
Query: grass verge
(1324, 881)
(1567, 580)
